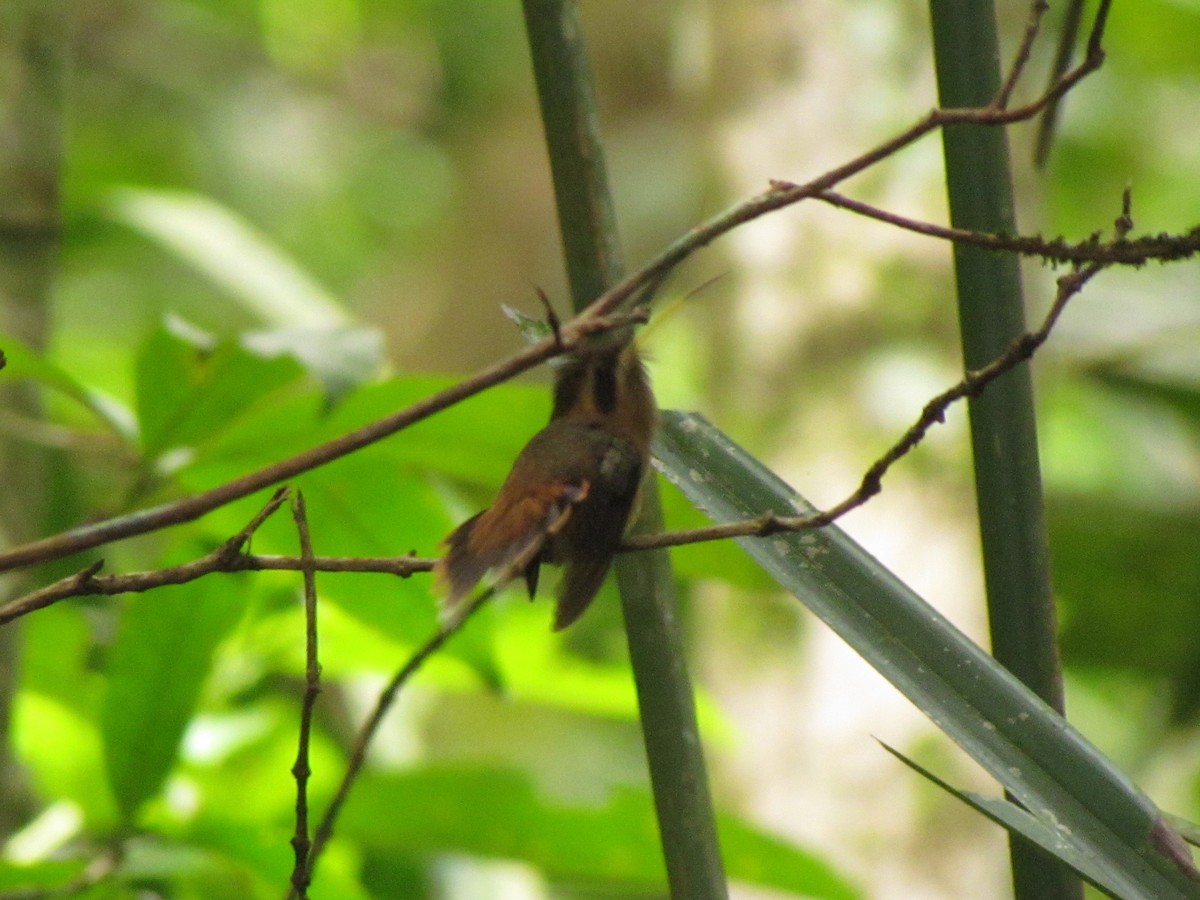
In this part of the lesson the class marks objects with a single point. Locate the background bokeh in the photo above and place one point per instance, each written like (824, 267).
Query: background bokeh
(258, 167)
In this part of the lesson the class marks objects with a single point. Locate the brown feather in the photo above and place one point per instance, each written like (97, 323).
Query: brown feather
(581, 582)
(571, 491)
(506, 538)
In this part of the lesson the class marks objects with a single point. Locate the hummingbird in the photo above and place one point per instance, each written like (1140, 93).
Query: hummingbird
(572, 491)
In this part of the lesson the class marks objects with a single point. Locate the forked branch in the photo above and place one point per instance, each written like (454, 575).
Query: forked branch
(779, 195)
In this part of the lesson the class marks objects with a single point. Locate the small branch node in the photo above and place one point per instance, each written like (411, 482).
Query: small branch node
(86, 577)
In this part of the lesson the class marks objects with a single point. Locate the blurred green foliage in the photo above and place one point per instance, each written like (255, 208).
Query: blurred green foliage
(338, 148)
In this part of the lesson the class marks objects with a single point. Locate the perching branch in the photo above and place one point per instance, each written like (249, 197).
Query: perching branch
(87, 583)
(225, 558)
(934, 412)
(228, 558)
(187, 509)
(591, 320)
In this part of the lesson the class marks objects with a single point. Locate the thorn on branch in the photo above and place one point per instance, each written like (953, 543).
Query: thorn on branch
(552, 319)
(1124, 223)
(85, 576)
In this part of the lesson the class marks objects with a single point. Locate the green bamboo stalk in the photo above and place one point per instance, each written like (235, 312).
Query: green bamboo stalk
(33, 42)
(1008, 486)
(676, 758)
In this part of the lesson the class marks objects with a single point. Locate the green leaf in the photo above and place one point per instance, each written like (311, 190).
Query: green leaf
(191, 387)
(45, 729)
(40, 878)
(250, 861)
(1017, 820)
(23, 362)
(302, 318)
(500, 813)
(531, 328)
(1051, 768)
(1181, 396)
(361, 505)
(1116, 562)
(341, 356)
(232, 253)
(157, 667)
(474, 441)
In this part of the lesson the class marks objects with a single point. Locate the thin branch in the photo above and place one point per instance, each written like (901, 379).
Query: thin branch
(225, 558)
(87, 583)
(1121, 250)
(358, 754)
(589, 321)
(1096, 36)
(384, 702)
(220, 560)
(1036, 14)
(189, 508)
(1062, 59)
(301, 846)
(934, 412)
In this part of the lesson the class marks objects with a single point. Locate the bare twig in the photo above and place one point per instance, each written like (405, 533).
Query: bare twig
(1062, 59)
(358, 755)
(366, 733)
(1096, 35)
(400, 566)
(222, 560)
(934, 412)
(1036, 14)
(1122, 250)
(591, 320)
(226, 558)
(87, 583)
(1096, 254)
(301, 874)
(189, 508)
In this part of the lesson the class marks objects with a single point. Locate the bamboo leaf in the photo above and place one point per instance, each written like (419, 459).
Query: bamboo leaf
(1018, 821)
(1052, 769)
